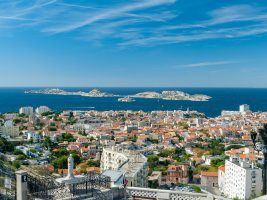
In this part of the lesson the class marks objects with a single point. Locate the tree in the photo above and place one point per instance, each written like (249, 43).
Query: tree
(6, 146)
(18, 152)
(132, 138)
(52, 128)
(152, 159)
(21, 157)
(47, 113)
(47, 142)
(93, 163)
(76, 159)
(61, 163)
(17, 121)
(66, 137)
(154, 141)
(60, 152)
(217, 162)
(16, 164)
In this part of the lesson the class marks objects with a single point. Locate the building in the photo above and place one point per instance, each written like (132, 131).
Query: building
(26, 110)
(177, 173)
(155, 179)
(35, 137)
(42, 109)
(9, 129)
(241, 179)
(229, 113)
(244, 108)
(209, 179)
(132, 164)
(117, 178)
(221, 178)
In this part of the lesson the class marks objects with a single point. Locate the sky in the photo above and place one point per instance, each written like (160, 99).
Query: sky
(133, 43)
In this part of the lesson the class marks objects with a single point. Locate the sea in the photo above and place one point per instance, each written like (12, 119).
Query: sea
(11, 99)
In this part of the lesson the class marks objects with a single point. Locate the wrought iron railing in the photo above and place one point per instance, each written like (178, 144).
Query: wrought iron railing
(92, 184)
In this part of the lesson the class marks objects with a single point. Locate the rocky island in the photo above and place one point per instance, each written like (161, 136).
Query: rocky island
(166, 95)
(56, 91)
(173, 95)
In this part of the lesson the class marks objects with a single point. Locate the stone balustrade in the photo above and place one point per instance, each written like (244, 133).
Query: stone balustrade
(155, 194)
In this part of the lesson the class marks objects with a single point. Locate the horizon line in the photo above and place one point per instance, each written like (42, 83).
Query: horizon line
(216, 87)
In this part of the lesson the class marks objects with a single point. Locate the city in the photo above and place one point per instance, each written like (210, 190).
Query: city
(175, 151)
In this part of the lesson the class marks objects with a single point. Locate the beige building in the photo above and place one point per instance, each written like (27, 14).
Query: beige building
(178, 173)
(209, 179)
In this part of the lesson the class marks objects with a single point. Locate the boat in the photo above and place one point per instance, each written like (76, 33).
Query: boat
(126, 99)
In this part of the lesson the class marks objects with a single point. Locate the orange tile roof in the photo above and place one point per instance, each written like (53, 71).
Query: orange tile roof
(222, 168)
(210, 174)
(251, 156)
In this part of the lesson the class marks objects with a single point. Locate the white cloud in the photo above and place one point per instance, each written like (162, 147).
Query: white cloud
(208, 64)
(109, 14)
(135, 23)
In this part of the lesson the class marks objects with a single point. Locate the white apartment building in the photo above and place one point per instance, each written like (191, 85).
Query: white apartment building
(221, 178)
(26, 110)
(42, 109)
(241, 178)
(35, 137)
(244, 108)
(9, 129)
(132, 164)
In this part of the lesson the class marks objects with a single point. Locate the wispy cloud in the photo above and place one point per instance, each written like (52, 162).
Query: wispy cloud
(207, 64)
(134, 23)
(230, 17)
(111, 13)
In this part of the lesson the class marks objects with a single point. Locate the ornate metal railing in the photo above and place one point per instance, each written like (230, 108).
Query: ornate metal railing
(91, 185)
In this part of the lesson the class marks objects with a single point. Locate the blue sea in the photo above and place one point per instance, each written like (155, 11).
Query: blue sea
(11, 99)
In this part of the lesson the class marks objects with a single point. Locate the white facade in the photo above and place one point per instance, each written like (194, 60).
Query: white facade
(133, 165)
(42, 109)
(244, 108)
(221, 179)
(241, 179)
(34, 136)
(229, 113)
(26, 110)
(9, 129)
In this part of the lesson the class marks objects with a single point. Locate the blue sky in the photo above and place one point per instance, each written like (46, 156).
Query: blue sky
(179, 43)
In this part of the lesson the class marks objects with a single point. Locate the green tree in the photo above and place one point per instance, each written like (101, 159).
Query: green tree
(66, 137)
(61, 163)
(93, 163)
(16, 164)
(21, 157)
(18, 152)
(47, 142)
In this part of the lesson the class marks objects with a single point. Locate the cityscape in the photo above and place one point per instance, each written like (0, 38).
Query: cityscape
(174, 151)
(133, 100)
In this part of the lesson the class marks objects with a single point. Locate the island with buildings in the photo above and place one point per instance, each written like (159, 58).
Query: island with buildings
(165, 95)
(57, 91)
(126, 99)
(173, 95)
